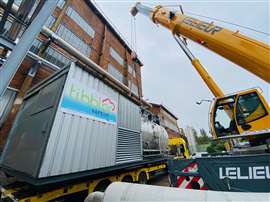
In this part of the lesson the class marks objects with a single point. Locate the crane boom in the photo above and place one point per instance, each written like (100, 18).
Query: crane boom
(252, 55)
(241, 114)
(209, 81)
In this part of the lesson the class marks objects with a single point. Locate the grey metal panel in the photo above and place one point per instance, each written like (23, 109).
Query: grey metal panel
(28, 137)
(77, 142)
(6, 102)
(13, 62)
(129, 147)
(129, 114)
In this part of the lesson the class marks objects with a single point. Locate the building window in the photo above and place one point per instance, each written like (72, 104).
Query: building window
(61, 3)
(7, 26)
(17, 2)
(133, 87)
(51, 54)
(116, 56)
(50, 21)
(72, 13)
(115, 73)
(131, 70)
(73, 39)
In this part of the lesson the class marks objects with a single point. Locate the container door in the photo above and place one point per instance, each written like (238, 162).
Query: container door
(30, 131)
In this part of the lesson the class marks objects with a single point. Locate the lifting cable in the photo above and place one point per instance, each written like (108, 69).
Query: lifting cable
(133, 39)
(133, 34)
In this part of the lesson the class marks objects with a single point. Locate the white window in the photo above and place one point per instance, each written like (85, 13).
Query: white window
(17, 2)
(131, 70)
(50, 21)
(133, 87)
(73, 39)
(115, 73)
(52, 55)
(61, 3)
(116, 56)
(72, 13)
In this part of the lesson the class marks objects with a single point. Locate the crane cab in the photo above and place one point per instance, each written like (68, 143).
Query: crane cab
(243, 114)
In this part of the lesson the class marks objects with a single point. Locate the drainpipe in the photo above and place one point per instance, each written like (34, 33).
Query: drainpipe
(74, 52)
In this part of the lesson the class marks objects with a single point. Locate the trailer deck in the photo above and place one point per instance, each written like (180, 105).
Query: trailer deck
(97, 180)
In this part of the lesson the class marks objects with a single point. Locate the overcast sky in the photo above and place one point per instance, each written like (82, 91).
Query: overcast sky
(168, 76)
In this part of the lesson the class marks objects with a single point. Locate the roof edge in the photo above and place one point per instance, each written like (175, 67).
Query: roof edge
(165, 109)
(111, 27)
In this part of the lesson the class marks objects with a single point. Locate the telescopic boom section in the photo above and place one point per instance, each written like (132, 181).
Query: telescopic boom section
(252, 55)
(209, 81)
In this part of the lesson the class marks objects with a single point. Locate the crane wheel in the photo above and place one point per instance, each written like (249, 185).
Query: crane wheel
(127, 178)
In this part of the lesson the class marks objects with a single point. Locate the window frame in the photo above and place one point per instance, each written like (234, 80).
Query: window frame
(237, 109)
(51, 52)
(89, 48)
(130, 84)
(73, 14)
(116, 71)
(116, 56)
(132, 70)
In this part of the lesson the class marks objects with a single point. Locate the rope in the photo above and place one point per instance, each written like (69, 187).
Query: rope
(110, 22)
(135, 34)
(131, 31)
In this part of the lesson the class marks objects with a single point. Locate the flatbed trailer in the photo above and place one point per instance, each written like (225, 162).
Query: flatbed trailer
(69, 187)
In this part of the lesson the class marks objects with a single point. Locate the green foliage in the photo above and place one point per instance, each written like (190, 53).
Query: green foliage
(203, 138)
(216, 147)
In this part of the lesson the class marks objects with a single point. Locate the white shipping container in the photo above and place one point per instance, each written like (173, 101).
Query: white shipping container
(70, 123)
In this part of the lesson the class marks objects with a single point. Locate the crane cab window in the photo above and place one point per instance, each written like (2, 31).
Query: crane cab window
(249, 108)
(224, 122)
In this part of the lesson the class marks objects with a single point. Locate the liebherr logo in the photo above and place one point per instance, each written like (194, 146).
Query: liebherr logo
(251, 172)
(203, 26)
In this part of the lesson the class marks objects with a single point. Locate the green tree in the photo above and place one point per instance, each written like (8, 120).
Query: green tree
(216, 147)
(202, 138)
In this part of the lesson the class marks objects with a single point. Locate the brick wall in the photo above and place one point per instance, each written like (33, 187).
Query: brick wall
(165, 118)
(103, 39)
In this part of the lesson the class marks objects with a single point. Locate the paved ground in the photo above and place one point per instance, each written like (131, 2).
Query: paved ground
(160, 180)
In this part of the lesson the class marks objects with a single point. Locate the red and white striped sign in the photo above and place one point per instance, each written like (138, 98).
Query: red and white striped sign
(191, 182)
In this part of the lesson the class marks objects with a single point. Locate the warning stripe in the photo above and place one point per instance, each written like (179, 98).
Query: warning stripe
(180, 180)
(190, 167)
(194, 179)
(204, 188)
(187, 184)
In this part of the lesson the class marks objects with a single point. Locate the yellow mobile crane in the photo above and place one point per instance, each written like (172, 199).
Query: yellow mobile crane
(241, 114)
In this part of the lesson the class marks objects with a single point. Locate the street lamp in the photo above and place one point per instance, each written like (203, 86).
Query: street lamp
(203, 100)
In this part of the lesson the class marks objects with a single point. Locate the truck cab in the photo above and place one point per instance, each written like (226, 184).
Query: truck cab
(244, 113)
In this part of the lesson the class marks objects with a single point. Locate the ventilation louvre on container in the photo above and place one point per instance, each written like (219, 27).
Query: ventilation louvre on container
(128, 146)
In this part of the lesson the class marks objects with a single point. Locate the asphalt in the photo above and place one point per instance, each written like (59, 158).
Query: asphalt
(160, 180)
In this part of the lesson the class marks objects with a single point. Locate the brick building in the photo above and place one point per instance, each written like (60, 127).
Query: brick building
(167, 119)
(84, 27)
